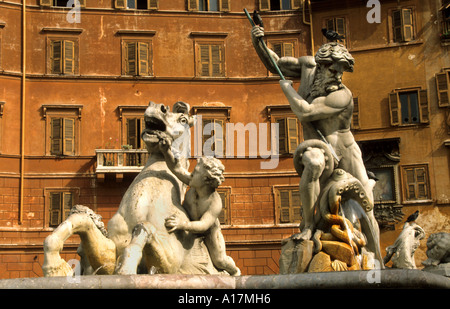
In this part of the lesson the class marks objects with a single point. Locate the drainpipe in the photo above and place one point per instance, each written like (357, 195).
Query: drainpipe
(22, 120)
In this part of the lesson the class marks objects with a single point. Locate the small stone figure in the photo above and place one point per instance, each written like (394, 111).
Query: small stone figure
(402, 251)
(438, 249)
(202, 203)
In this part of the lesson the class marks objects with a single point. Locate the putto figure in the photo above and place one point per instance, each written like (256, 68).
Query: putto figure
(324, 106)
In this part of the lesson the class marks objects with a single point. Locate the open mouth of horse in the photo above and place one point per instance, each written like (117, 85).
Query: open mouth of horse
(153, 128)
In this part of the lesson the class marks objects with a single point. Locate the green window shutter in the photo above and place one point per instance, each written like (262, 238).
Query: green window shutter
(442, 84)
(192, 5)
(205, 60)
(130, 58)
(69, 136)
(264, 5)
(225, 5)
(282, 136)
(292, 130)
(152, 4)
(56, 136)
(423, 106)
(120, 4)
(394, 107)
(67, 204)
(45, 2)
(69, 57)
(143, 58)
(56, 57)
(55, 209)
(284, 206)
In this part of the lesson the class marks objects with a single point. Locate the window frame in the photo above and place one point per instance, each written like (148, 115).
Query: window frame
(291, 208)
(222, 6)
(422, 105)
(392, 26)
(225, 215)
(443, 87)
(123, 5)
(48, 192)
(405, 185)
(199, 61)
(138, 62)
(265, 5)
(335, 19)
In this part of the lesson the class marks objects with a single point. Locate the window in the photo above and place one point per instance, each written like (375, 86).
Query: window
(225, 192)
(290, 132)
(443, 87)
(338, 25)
(288, 204)
(61, 3)
(63, 56)
(445, 11)
(210, 59)
(137, 58)
(209, 5)
(58, 203)
(277, 5)
(355, 125)
(403, 25)
(63, 126)
(137, 4)
(283, 48)
(409, 107)
(415, 183)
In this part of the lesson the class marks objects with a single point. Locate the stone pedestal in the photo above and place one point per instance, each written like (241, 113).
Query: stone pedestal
(296, 256)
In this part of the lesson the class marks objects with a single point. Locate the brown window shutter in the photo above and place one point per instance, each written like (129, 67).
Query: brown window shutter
(292, 129)
(423, 106)
(264, 5)
(397, 25)
(69, 57)
(288, 50)
(442, 84)
(132, 132)
(45, 2)
(152, 4)
(67, 204)
(55, 209)
(407, 23)
(282, 136)
(421, 183)
(296, 206)
(278, 49)
(56, 136)
(394, 107)
(120, 4)
(205, 60)
(69, 136)
(192, 5)
(331, 24)
(216, 60)
(285, 202)
(223, 217)
(296, 4)
(130, 58)
(143, 58)
(219, 139)
(56, 57)
(225, 5)
(355, 117)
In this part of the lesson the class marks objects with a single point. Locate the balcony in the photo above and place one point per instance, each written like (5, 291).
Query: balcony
(119, 162)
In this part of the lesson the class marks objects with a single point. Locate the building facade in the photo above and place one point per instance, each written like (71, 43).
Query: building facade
(74, 83)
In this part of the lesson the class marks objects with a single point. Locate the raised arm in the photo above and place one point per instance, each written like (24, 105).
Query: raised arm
(173, 163)
(320, 108)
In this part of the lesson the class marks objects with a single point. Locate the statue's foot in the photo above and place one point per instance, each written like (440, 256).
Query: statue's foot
(306, 234)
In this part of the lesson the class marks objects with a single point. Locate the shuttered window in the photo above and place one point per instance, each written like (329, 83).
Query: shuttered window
(402, 25)
(338, 25)
(409, 107)
(209, 5)
(62, 57)
(62, 136)
(136, 4)
(60, 205)
(276, 5)
(288, 204)
(137, 58)
(214, 137)
(415, 183)
(289, 134)
(355, 115)
(443, 88)
(211, 60)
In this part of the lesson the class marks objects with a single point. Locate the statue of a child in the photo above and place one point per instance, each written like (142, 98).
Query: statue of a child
(202, 203)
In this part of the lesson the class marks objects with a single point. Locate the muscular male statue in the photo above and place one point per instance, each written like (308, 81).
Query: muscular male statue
(322, 104)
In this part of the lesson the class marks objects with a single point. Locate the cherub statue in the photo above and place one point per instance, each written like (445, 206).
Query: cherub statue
(202, 203)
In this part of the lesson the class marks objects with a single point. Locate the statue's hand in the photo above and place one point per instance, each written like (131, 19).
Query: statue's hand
(286, 83)
(164, 143)
(257, 32)
(173, 223)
